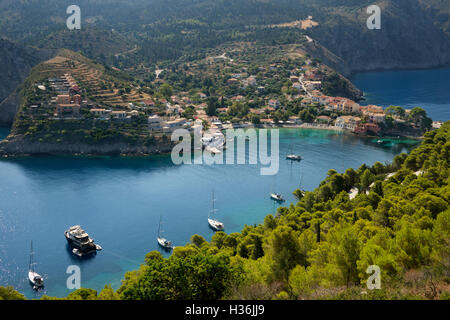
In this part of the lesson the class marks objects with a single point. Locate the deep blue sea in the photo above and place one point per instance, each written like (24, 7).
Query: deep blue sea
(119, 202)
(429, 89)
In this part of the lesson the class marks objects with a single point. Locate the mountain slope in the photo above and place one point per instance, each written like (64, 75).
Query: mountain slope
(414, 33)
(16, 62)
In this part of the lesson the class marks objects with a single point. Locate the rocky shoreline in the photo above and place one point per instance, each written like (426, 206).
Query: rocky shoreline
(17, 146)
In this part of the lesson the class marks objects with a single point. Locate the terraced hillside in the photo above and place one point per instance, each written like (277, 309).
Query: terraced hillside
(48, 124)
(98, 84)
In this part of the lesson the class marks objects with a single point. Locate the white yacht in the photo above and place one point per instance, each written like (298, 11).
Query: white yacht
(294, 157)
(277, 197)
(163, 242)
(214, 140)
(213, 223)
(80, 241)
(36, 280)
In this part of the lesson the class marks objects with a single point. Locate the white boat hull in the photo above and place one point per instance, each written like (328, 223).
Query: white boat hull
(294, 157)
(276, 197)
(32, 277)
(216, 225)
(164, 243)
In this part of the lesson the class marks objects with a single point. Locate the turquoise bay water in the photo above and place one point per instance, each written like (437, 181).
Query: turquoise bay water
(428, 89)
(119, 201)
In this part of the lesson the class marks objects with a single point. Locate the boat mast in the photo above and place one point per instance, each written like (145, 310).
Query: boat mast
(32, 257)
(159, 228)
(213, 200)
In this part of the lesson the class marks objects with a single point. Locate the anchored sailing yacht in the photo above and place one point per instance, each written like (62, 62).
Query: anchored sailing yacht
(277, 197)
(215, 224)
(163, 242)
(35, 278)
(294, 157)
(80, 241)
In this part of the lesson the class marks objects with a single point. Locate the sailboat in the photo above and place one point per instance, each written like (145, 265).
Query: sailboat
(163, 242)
(35, 279)
(276, 196)
(294, 157)
(302, 192)
(213, 223)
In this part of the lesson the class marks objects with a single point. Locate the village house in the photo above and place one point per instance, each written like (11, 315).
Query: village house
(347, 122)
(306, 102)
(222, 110)
(238, 98)
(148, 103)
(186, 100)
(376, 117)
(364, 128)
(350, 106)
(293, 78)
(250, 81)
(313, 85)
(322, 99)
(294, 120)
(323, 119)
(256, 111)
(268, 109)
(134, 113)
(103, 114)
(371, 109)
(155, 123)
(119, 114)
(273, 103)
(69, 109)
(267, 121)
(297, 85)
(63, 98)
(172, 125)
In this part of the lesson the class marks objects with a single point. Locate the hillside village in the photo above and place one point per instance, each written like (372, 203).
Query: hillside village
(72, 98)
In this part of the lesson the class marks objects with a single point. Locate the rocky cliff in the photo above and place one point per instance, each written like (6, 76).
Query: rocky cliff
(18, 145)
(413, 34)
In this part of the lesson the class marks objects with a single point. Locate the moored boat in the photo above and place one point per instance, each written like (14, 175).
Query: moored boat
(277, 197)
(213, 223)
(80, 241)
(294, 157)
(163, 242)
(36, 280)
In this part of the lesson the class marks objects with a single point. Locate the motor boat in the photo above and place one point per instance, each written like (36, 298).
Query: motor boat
(80, 241)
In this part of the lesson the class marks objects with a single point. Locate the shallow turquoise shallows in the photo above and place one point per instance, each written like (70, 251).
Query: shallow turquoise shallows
(428, 89)
(119, 201)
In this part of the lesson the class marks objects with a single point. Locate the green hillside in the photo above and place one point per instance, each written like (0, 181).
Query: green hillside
(172, 28)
